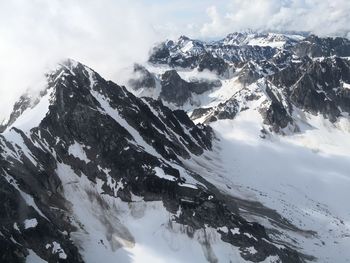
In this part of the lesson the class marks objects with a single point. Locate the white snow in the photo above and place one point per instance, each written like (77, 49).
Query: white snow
(4, 121)
(346, 85)
(34, 258)
(161, 174)
(30, 223)
(77, 150)
(27, 198)
(110, 182)
(304, 177)
(56, 249)
(274, 40)
(223, 229)
(264, 43)
(32, 116)
(15, 226)
(107, 109)
(250, 236)
(272, 259)
(251, 250)
(235, 231)
(134, 232)
(20, 148)
(216, 96)
(188, 46)
(190, 186)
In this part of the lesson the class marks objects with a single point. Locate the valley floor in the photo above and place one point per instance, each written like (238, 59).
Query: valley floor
(305, 177)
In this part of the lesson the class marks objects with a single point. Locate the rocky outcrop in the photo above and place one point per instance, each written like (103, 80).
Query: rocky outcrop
(314, 46)
(143, 78)
(178, 91)
(208, 62)
(174, 88)
(276, 116)
(317, 86)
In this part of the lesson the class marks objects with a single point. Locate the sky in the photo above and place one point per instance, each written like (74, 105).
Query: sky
(109, 35)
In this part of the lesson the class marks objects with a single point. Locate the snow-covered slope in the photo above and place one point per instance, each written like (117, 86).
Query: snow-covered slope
(304, 177)
(276, 40)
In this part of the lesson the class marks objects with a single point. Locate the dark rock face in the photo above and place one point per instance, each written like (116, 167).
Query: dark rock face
(211, 63)
(317, 86)
(249, 74)
(215, 213)
(129, 135)
(200, 112)
(199, 86)
(178, 91)
(160, 54)
(21, 181)
(143, 79)
(314, 46)
(227, 110)
(306, 95)
(174, 88)
(277, 117)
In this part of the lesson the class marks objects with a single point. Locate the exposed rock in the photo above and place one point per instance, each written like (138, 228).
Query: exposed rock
(314, 46)
(178, 91)
(211, 63)
(143, 78)
(277, 117)
(174, 89)
(317, 86)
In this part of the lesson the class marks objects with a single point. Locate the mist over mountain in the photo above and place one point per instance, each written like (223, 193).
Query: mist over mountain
(109, 35)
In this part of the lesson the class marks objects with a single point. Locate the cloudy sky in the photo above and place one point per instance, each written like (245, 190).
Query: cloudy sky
(109, 35)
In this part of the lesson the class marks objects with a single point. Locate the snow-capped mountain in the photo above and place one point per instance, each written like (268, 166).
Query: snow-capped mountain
(235, 150)
(280, 107)
(215, 80)
(251, 38)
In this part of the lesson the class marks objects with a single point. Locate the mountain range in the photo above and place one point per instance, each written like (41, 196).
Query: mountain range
(234, 150)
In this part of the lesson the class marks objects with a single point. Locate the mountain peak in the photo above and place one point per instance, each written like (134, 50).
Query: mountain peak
(184, 38)
(34, 105)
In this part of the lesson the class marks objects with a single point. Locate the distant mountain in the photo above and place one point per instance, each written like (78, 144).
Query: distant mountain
(289, 71)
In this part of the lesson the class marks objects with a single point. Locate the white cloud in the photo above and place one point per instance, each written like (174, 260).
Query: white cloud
(323, 17)
(105, 35)
(111, 34)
